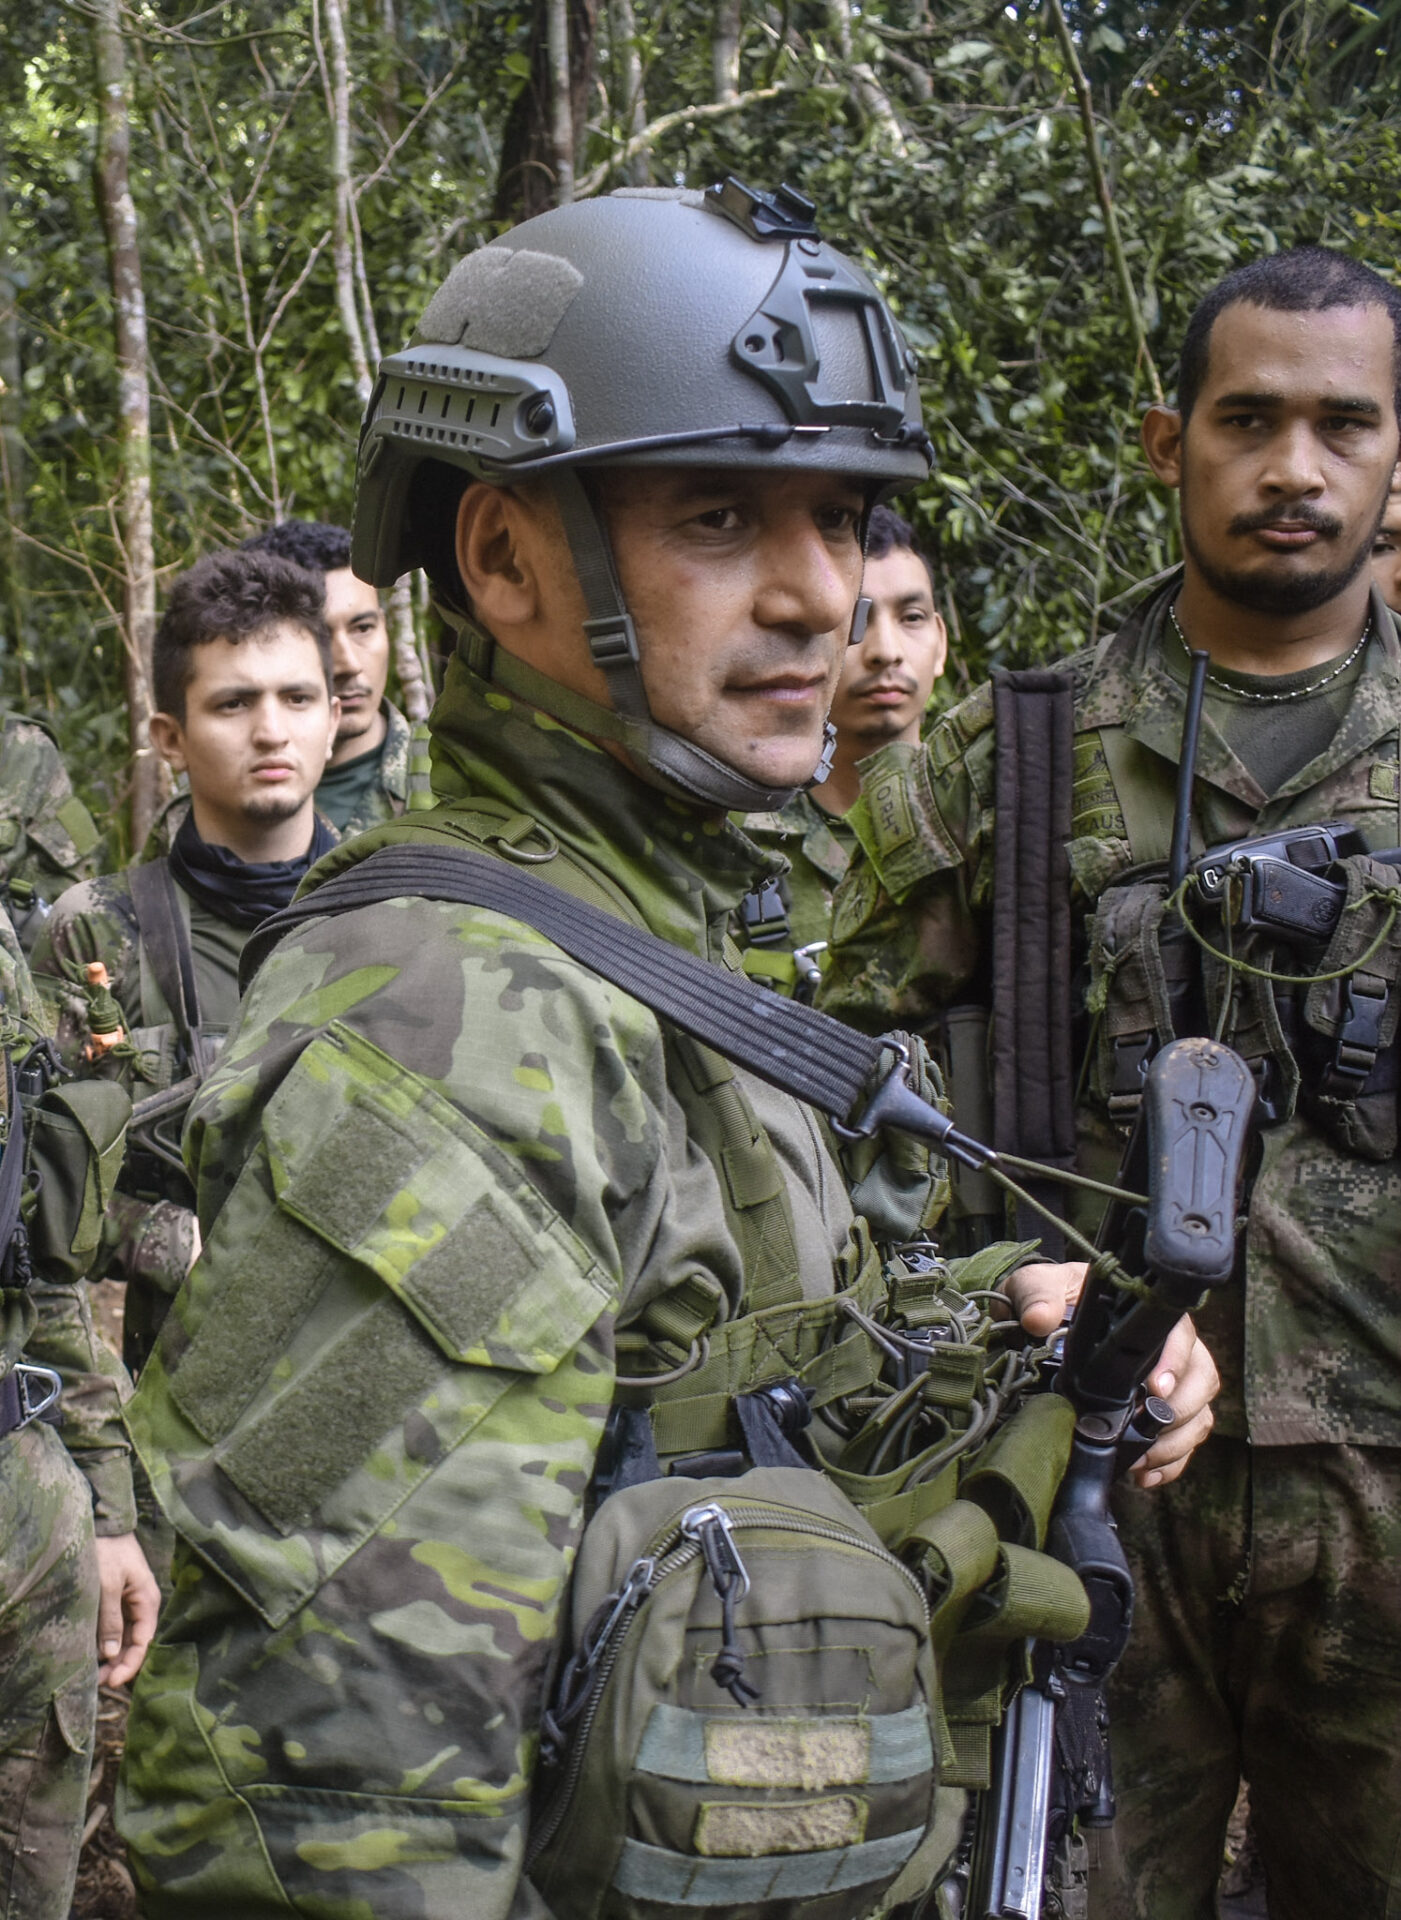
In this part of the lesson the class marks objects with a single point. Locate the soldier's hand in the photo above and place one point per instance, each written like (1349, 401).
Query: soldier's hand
(127, 1608)
(1187, 1379)
(1042, 1294)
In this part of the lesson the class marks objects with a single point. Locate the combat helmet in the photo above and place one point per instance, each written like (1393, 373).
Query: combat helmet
(646, 327)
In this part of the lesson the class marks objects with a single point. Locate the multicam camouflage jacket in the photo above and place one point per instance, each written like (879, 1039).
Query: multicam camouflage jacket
(75, 1148)
(448, 1180)
(47, 836)
(1310, 1351)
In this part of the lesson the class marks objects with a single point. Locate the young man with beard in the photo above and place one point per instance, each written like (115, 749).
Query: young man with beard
(1267, 1640)
(887, 678)
(369, 777)
(242, 669)
(458, 1188)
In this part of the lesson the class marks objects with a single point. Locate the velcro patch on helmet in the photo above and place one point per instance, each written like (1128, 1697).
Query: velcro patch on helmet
(501, 301)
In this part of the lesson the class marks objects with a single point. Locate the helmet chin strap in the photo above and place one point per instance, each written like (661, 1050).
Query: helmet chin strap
(678, 764)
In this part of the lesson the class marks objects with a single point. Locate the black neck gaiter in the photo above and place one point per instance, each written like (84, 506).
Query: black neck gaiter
(243, 892)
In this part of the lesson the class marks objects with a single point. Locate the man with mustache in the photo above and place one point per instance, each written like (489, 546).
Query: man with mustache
(887, 678)
(462, 1194)
(242, 680)
(1267, 1642)
(371, 772)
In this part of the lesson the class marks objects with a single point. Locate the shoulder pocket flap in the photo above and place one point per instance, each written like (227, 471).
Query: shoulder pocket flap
(386, 1170)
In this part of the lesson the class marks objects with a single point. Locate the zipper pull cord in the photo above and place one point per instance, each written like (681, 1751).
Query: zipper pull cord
(731, 1582)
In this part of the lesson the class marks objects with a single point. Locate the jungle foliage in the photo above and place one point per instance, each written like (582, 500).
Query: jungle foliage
(945, 143)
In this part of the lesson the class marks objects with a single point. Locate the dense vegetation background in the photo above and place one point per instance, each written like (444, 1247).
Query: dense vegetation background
(212, 220)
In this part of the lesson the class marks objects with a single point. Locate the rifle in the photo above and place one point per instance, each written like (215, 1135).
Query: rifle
(1051, 1771)
(1052, 1774)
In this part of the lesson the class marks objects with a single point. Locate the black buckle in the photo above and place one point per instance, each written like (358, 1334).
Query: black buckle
(1359, 1037)
(612, 640)
(1131, 1053)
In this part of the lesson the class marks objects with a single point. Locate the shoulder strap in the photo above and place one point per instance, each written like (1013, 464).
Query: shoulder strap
(1032, 1075)
(13, 1255)
(794, 1048)
(168, 951)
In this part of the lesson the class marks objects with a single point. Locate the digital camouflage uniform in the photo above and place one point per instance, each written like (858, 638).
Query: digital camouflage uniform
(443, 1172)
(1268, 1629)
(55, 1485)
(47, 836)
(402, 771)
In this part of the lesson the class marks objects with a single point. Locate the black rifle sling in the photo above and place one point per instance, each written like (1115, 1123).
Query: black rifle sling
(168, 951)
(794, 1048)
(11, 1179)
(1033, 1081)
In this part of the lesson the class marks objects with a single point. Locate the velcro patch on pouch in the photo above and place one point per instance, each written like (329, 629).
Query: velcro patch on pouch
(750, 1830)
(810, 1754)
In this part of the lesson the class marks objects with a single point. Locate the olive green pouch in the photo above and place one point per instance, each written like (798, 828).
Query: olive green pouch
(746, 1723)
(76, 1137)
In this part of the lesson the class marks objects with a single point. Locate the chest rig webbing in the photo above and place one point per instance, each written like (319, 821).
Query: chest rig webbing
(899, 1385)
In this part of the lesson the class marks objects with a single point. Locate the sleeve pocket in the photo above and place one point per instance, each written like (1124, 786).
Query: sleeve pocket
(407, 1186)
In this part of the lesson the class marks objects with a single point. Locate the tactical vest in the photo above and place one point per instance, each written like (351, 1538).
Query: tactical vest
(970, 1509)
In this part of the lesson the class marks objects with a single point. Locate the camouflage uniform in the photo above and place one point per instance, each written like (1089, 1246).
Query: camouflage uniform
(52, 1492)
(400, 772)
(817, 847)
(1267, 1637)
(444, 1172)
(148, 1242)
(47, 836)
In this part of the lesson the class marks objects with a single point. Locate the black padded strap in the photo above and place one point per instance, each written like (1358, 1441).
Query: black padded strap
(795, 1048)
(168, 951)
(13, 1267)
(1032, 1076)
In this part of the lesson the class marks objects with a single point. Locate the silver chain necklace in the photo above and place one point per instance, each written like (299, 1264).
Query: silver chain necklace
(1294, 693)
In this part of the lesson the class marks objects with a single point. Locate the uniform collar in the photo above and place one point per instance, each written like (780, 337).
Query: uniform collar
(826, 841)
(682, 868)
(1130, 687)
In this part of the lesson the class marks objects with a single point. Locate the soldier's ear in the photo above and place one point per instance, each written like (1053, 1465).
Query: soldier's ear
(1161, 433)
(168, 739)
(495, 558)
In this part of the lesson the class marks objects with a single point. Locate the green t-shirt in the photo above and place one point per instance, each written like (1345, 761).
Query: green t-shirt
(344, 790)
(1275, 739)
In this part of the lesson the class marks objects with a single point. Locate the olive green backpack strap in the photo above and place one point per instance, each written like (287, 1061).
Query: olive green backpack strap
(1147, 827)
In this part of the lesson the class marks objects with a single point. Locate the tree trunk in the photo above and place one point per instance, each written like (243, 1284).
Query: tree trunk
(632, 108)
(134, 517)
(561, 106)
(724, 49)
(526, 184)
(12, 476)
(358, 321)
(337, 85)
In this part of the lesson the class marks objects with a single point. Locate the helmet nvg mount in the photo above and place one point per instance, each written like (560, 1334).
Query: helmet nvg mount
(649, 327)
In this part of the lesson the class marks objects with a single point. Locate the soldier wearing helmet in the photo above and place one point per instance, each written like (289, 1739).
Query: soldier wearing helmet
(451, 1182)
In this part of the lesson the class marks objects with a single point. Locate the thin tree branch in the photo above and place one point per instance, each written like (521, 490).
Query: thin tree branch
(1106, 199)
(667, 123)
